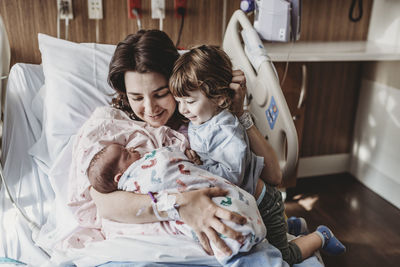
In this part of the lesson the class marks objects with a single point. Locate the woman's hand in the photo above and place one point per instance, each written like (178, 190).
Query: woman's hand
(199, 212)
(238, 84)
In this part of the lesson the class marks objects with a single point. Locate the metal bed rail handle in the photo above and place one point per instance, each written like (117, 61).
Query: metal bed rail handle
(285, 131)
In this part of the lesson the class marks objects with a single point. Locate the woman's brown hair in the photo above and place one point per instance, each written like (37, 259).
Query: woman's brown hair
(206, 68)
(145, 51)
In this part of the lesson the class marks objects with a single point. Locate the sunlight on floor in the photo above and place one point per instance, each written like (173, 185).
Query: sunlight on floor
(354, 203)
(307, 202)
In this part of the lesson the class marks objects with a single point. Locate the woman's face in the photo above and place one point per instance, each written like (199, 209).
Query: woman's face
(149, 97)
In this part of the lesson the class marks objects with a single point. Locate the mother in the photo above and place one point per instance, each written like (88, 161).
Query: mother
(139, 72)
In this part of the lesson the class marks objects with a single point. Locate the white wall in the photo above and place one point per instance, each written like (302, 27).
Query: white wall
(376, 148)
(385, 22)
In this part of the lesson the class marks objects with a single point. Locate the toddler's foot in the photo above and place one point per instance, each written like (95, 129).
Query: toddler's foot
(297, 226)
(330, 244)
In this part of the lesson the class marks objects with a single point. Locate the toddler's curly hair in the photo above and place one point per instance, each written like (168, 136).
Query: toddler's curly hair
(206, 68)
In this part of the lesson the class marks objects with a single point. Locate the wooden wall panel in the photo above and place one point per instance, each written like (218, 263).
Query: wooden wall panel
(331, 105)
(327, 20)
(24, 19)
(333, 88)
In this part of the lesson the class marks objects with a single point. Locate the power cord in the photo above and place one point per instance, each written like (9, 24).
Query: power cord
(63, 10)
(161, 25)
(32, 225)
(360, 10)
(139, 21)
(181, 11)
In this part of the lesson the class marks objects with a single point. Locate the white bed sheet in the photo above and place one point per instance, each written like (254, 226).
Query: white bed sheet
(27, 183)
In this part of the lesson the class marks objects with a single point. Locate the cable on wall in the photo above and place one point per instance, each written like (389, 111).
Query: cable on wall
(58, 25)
(161, 26)
(224, 8)
(139, 22)
(352, 8)
(97, 31)
(181, 12)
(66, 28)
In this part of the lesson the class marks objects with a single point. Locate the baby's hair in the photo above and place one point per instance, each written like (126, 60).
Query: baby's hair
(101, 174)
(206, 68)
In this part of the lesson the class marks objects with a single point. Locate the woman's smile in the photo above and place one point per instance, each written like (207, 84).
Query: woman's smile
(149, 97)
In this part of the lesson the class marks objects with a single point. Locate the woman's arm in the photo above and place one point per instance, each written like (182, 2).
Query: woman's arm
(124, 207)
(271, 173)
(195, 208)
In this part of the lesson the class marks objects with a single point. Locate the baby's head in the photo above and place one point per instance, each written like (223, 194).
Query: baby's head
(200, 83)
(108, 165)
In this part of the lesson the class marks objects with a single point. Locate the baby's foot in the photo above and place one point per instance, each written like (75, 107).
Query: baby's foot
(331, 244)
(297, 226)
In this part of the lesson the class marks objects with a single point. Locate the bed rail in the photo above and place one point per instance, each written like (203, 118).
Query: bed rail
(269, 108)
(5, 56)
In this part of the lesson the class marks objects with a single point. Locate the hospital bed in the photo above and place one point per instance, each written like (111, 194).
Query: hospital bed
(45, 106)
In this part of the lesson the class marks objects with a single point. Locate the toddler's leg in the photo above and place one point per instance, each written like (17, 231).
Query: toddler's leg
(321, 238)
(297, 226)
(330, 243)
(272, 212)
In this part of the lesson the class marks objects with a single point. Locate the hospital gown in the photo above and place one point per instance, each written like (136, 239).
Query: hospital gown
(224, 149)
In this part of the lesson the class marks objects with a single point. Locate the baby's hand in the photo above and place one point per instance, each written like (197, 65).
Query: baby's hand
(193, 157)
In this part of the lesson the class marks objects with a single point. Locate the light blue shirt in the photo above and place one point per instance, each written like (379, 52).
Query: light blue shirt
(223, 146)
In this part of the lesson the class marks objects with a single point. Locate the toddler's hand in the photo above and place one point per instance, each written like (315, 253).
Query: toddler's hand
(193, 157)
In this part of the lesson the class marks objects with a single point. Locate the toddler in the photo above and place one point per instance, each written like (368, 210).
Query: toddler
(200, 84)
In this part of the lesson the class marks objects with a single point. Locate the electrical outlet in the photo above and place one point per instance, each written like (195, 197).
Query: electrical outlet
(134, 4)
(179, 4)
(65, 9)
(157, 9)
(95, 9)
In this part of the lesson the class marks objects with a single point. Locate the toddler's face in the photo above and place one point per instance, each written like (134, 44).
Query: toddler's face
(197, 107)
(125, 156)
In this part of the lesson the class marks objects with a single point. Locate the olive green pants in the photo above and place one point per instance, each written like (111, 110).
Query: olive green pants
(272, 212)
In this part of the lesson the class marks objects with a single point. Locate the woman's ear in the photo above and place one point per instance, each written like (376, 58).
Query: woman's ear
(117, 177)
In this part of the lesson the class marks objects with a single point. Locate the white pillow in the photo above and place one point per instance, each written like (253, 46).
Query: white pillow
(76, 83)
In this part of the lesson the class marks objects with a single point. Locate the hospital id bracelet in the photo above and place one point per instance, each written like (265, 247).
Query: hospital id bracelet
(246, 120)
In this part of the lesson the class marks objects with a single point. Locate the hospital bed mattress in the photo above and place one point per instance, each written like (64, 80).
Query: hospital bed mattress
(28, 184)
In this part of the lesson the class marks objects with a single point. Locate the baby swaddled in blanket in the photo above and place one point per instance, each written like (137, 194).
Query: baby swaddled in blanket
(167, 170)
